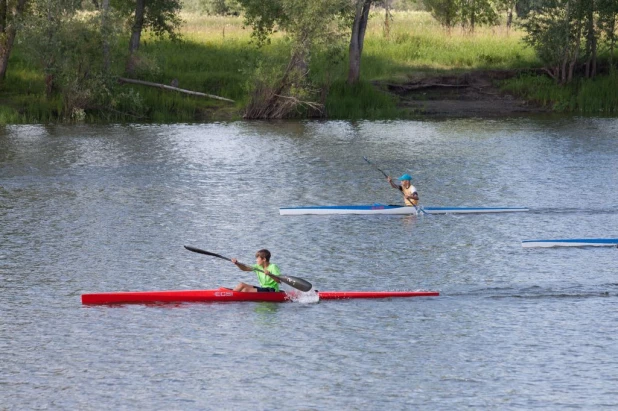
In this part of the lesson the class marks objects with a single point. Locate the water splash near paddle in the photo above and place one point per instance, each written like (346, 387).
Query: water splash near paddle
(309, 297)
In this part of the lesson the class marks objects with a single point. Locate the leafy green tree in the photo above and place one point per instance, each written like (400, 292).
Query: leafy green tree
(307, 25)
(468, 13)
(46, 33)
(221, 7)
(555, 32)
(608, 25)
(315, 21)
(524, 7)
(162, 17)
(568, 33)
(478, 12)
(73, 51)
(446, 12)
(10, 13)
(508, 7)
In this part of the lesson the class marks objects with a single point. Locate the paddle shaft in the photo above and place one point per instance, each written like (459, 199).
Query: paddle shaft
(376, 167)
(294, 282)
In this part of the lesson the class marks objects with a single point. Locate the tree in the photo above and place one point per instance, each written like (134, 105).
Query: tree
(160, 16)
(568, 33)
(555, 32)
(221, 7)
(307, 25)
(524, 7)
(509, 7)
(10, 13)
(446, 12)
(105, 33)
(591, 34)
(73, 50)
(47, 32)
(608, 15)
(359, 27)
(468, 13)
(477, 12)
(315, 21)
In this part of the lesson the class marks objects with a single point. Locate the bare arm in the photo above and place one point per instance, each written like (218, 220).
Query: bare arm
(242, 266)
(390, 181)
(414, 196)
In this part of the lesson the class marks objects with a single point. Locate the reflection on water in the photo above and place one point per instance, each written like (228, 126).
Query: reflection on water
(109, 208)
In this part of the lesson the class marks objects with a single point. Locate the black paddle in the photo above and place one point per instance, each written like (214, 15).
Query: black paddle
(295, 282)
(385, 175)
(376, 167)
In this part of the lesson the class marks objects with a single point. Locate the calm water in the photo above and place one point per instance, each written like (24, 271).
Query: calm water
(109, 208)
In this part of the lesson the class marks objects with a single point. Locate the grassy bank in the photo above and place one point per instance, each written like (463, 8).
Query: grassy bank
(584, 96)
(216, 57)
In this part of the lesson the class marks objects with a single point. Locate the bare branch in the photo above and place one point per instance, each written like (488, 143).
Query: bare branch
(166, 87)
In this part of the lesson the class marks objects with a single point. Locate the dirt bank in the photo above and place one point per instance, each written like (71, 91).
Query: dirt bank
(472, 94)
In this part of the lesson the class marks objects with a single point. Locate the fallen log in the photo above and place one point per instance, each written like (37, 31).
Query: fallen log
(166, 87)
(420, 86)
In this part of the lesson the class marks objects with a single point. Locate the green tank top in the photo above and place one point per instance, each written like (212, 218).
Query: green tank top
(266, 281)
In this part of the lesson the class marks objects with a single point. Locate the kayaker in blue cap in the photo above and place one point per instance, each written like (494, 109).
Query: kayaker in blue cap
(262, 262)
(410, 196)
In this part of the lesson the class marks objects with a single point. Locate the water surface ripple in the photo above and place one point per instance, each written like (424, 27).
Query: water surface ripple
(108, 208)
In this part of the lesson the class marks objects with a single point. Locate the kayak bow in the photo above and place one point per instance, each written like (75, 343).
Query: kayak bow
(227, 295)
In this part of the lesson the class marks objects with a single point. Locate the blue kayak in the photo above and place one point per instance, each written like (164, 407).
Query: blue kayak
(393, 209)
(572, 242)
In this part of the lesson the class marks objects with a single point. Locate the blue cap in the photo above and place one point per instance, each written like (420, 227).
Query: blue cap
(405, 177)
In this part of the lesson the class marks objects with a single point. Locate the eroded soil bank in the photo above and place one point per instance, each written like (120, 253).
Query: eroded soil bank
(471, 94)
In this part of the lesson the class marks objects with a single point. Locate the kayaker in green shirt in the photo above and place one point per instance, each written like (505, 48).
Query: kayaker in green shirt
(262, 262)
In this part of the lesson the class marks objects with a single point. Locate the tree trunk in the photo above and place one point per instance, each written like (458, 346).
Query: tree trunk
(612, 44)
(358, 37)
(136, 34)
(105, 32)
(388, 17)
(575, 55)
(49, 63)
(6, 44)
(472, 16)
(3, 16)
(593, 62)
(8, 31)
(565, 50)
(591, 42)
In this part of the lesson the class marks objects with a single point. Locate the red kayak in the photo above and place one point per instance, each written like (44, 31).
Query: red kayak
(227, 295)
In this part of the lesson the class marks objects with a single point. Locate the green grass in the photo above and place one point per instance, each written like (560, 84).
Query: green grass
(360, 101)
(216, 57)
(598, 95)
(418, 44)
(584, 96)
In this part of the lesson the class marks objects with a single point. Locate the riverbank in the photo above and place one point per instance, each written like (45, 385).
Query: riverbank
(416, 69)
(469, 94)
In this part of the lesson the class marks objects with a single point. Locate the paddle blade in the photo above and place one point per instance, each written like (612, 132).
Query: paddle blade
(296, 282)
(197, 250)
